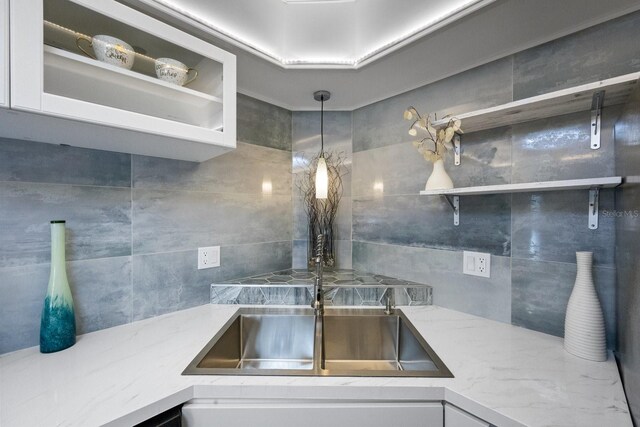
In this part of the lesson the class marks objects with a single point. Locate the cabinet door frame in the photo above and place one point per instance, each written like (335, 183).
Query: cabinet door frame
(315, 412)
(458, 417)
(27, 81)
(4, 53)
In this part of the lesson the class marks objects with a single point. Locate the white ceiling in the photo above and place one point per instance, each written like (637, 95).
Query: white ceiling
(325, 33)
(493, 31)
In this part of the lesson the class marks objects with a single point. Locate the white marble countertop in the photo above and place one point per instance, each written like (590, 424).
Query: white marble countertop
(507, 375)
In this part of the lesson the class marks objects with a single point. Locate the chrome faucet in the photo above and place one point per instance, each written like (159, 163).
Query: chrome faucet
(390, 306)
(318, 293)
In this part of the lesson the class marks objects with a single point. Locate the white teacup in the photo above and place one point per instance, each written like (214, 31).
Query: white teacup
(110, 50)
(175, 72)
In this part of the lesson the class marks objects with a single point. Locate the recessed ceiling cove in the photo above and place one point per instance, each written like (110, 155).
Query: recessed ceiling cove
(345, 34)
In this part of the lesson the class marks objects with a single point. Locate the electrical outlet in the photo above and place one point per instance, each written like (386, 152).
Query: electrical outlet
(208, 257)
(476, 264)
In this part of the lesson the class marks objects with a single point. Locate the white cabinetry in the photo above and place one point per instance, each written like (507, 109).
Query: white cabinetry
(456, 417)
(4, 53)
(201, 413)
(51, 76)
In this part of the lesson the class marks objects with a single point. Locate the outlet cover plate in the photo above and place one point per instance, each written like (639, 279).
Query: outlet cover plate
(208, 257)
(476, 264)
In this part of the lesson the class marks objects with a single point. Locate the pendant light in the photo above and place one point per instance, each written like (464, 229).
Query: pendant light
(322, 175)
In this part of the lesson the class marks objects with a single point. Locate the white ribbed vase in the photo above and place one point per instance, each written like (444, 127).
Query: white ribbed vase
(584, 330)
(439, 179)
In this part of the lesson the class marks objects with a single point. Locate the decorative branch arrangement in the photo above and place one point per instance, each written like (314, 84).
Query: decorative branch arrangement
(435, 143)
(321, 213)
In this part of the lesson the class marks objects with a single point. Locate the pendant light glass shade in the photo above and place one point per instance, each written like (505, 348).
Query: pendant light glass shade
(322, 175)
(322, 179)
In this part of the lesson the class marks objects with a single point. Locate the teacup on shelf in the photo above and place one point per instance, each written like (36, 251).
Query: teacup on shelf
(109, 49)
(175, 72)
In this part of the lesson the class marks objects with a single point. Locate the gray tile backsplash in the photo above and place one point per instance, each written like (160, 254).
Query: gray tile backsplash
(421, 221)
(541, 291)
(98, 221)
(243, 170)
(177, 220)
(47, 163)
(22, 290)
(261, 123)
(101, 293)
(166, 282)
(560, 148)
(552, 226)
(134, 224)
(606, 50)
(381, 124)
(442, 269)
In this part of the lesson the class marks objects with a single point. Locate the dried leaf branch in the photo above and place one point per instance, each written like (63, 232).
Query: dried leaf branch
(433, 143)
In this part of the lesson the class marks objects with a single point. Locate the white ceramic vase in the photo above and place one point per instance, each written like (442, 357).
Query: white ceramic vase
(439, 180)
(584, 329)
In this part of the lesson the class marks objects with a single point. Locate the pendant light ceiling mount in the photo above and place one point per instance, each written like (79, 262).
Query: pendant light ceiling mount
(321, 95)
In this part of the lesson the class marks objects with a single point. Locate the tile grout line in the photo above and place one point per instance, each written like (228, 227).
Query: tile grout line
(221, 246)
(65, 184)
(132, 255)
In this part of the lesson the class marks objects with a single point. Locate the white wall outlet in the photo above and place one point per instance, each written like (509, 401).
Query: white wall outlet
(476, 264)
(208, 257)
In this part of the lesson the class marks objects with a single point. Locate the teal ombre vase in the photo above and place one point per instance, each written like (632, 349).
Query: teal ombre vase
(58, 323)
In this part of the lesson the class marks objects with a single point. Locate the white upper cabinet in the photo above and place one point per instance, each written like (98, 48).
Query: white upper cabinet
(4, 53)
(161, 91)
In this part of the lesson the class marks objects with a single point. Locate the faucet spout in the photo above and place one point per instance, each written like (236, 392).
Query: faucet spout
(318, 293)
(390, 305)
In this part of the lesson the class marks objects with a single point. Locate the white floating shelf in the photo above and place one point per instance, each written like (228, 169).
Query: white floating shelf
(74, 76)
(528, 187)
(565, 101)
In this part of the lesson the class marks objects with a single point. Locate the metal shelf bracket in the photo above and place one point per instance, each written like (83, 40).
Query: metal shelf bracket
(456, 149)
(594, 202)
(454, 202)
(596, 119)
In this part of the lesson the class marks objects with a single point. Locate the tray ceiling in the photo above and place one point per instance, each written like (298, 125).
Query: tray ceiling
(323, 33)
(487, 33)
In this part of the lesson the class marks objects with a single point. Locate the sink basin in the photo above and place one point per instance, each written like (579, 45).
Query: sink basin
(343, 342)
(258, 340)
(373, 343)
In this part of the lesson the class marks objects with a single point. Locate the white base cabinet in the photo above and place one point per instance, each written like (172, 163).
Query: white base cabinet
(456, 417)
(212, 413)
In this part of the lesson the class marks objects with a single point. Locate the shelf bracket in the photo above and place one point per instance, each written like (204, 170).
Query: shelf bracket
(596, 119)
(594, 202)
(456, 149)
(454, 202)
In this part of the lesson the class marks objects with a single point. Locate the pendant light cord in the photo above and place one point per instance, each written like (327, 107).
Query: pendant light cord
(322, 126)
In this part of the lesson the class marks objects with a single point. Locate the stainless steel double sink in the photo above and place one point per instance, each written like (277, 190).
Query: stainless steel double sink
(342, 342)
